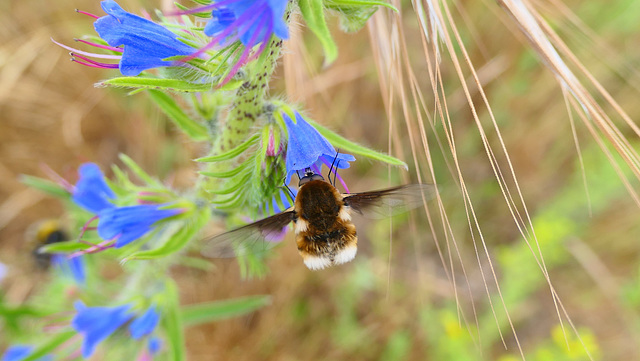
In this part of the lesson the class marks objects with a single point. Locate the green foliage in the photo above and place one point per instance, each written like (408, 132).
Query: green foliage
(313, 14)
(193, 129)
(194, 315)
(354, 14)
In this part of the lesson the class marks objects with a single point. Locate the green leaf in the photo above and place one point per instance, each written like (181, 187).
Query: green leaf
(169, 106)
(231, 153)
(172, 323)
(313, 13)
(353, 148)
(156, 83)
(354, 14)
(194, 315)
(49, 346)
(230, 173)
(358, 3)
(233, 187)
(178, 240)
(64, 247)
(45, 186)
(137, 170)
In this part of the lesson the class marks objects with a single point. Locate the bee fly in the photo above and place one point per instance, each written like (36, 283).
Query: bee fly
(325, 234)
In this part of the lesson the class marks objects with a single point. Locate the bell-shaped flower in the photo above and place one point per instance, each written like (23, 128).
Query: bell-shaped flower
(142, 43)
(145, 324)
(126, 224)
(71, 267)
(145, 43)
(21, 352)
(307, 148)
(252, 22)
(98, 323)
(123, 224)
(92, 191)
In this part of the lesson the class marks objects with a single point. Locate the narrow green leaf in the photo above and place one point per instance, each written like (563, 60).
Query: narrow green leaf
(194, 315)
(178, 240)
(156, 83)
(172, 323)
(348, 146)
(49, 346)
(64, 247)
(226, 174)
(45, 186)
(231, 153)
(313, 13)
(169, 106)
(233, 187)
(358, 3)
(137, 170)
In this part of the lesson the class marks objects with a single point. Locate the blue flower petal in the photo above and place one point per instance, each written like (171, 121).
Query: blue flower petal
(130, 223)
(306, 146)
(252, 19)
(154, 345)
(145, 43)
(71, 267)
(92, 192)
(20, 352)
(144, 324)
(98, 323)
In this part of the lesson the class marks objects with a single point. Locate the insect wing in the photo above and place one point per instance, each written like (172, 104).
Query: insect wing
(389, 202)
(254, 238)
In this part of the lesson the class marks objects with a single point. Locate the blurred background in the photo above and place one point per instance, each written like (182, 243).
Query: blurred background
(431, 293)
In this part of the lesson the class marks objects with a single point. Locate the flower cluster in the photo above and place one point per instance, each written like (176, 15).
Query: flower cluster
(96, 324)
(122, 225)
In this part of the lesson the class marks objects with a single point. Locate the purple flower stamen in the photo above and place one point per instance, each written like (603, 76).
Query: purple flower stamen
(88, 14)
(96, 45)
(92, 63)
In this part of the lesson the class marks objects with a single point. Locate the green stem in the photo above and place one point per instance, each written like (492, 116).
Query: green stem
(245, 116)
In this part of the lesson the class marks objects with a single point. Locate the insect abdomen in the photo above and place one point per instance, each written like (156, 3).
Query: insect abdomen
(327, 248)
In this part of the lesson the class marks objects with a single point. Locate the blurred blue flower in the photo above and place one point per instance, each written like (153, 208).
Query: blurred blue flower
(92, 191)
(307, 148)
(154, 345)
(20, 352)
(145, 324)
(98, 323)
(3, 271)
(124, 224)
(145, 43)
(73, 267)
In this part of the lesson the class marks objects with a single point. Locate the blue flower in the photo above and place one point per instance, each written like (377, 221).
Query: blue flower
(92, 192)
(252, 22)
(146, 44)
(124, 224)
(98, 323)
(247, 20)
(145, 324)
(3, 271)
(20, 352)
(307, 148)
(154, 345)
(73, 267)
(142, 43)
